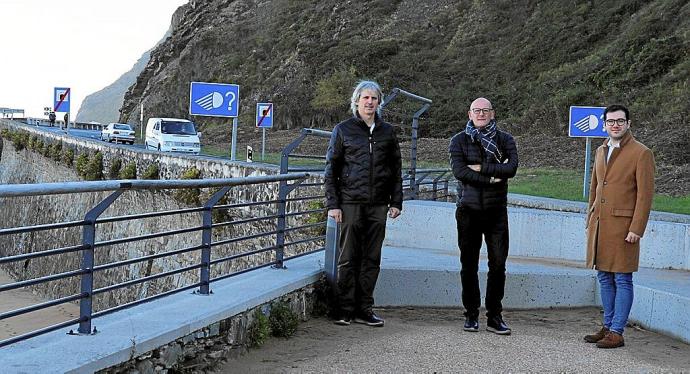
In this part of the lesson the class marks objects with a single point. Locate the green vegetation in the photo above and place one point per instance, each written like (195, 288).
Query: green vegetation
(94, 168)
(316, 217)
(129, 171)
(568, 184)
(151, 172)
(82, 161)
(114, 170)
(68, 157)
(258, 330)
(189, 196)
(283, 320)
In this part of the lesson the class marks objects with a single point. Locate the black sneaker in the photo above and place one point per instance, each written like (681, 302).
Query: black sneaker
(344, 320)
(369, 318)
(471, 324)
(497, 326)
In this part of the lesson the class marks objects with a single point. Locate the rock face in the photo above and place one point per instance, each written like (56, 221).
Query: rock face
(533, 59)
(104, 106)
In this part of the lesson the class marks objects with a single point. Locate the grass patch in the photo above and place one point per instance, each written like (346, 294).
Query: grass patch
(567, 185)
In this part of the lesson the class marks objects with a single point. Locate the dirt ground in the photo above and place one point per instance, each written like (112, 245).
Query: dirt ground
(19, 298)
(432, 340)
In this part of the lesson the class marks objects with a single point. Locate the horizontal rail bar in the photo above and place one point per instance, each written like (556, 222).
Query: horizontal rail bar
(147, 236)
(320, 210)
(145, 279)
(49, 252)
(240, 205)
(313, 157)
(13, 190)
(50, 226)
(241, 238)
(146, 258)
(149, 215)
(303, 254)
(248, 220)
(142, 301)
(306, 198)
(316, 132)
(38, 332)
(226, 276)
(31, 282)
(311, 185)
(309, 225)
(322, 237)
(47, 304)
(301, 169)
(243, 254)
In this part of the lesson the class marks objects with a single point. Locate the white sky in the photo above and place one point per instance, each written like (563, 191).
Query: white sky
(82, 44)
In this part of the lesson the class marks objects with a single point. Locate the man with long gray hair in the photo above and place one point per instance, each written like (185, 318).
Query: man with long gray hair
(363, 183)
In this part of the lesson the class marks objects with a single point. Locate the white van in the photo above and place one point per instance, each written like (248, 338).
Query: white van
(172, 135)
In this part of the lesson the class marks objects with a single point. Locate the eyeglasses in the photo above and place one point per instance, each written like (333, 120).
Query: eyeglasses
(619, 122)
(482, 110)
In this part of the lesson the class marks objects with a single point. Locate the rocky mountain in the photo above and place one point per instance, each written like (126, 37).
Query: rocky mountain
(104, 106)
(532, 58)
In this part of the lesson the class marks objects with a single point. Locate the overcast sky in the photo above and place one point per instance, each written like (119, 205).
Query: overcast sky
(82, 44)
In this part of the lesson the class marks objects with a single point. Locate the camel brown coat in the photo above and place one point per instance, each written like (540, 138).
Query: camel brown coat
(620, 198)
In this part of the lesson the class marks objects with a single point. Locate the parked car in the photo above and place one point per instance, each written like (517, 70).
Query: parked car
(172, 135)
(118, 132)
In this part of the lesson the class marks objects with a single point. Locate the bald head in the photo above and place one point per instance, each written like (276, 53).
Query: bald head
(481, 112)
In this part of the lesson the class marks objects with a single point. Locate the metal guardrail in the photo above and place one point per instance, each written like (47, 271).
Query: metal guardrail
(89, 246)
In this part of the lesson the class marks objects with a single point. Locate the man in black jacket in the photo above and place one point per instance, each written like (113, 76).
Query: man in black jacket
(483, 158)
(363, 182)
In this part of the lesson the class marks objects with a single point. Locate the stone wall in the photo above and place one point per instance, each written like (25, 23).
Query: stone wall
(26, 166)
(203, 350)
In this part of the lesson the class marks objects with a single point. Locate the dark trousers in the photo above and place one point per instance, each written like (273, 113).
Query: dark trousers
(361, 237)
(493, 225)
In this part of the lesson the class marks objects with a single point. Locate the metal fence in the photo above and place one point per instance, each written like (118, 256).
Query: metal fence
(290, 229)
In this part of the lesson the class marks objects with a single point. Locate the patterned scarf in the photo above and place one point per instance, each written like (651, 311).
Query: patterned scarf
(486, 137)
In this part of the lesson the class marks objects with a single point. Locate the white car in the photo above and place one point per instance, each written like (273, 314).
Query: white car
(118, 132)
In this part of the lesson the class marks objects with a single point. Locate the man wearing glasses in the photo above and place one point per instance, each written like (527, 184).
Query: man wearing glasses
(620, 198)
(483, 158)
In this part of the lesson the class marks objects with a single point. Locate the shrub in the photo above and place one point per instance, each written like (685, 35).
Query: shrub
(56, 154)
(68, 157)
(151, 172)
(258, 330)
(94, 169)
(82, 162)
(130, 171)
(283, 320)
(115, 167)
(5, 133)
(315, 217)
(20, 140)
(189, 196)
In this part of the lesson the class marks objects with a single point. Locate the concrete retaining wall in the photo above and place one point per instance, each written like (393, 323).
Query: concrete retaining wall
(538, 233)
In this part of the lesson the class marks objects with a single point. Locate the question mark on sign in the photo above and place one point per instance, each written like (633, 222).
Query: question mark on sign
(232, 100)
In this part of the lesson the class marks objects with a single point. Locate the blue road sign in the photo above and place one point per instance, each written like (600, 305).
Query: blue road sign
(264, 115)
(214, 99)
(61, 99)
(586, 122)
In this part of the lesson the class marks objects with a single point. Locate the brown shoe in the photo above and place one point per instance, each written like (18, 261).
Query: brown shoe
(611, 340)
(593, 338)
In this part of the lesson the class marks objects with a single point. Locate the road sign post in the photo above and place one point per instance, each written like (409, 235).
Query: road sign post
(61, 99)
(264, 120)
(586, 122)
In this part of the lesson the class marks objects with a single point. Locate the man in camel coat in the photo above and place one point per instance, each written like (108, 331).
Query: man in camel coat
(620, 199)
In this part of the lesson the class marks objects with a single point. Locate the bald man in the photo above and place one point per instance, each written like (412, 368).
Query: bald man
(483, 158)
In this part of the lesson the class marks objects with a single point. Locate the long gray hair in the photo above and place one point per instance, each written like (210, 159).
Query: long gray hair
(361, 86)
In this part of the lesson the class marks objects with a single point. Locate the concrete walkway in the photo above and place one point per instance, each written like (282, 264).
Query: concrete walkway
(432, 340)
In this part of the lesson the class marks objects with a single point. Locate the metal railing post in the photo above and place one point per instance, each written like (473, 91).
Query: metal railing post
(206, 238)
(284, 191)
(332, 251)
(87, 261)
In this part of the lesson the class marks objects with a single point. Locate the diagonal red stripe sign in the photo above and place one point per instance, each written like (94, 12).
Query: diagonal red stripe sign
(62, 98)
(264, 115)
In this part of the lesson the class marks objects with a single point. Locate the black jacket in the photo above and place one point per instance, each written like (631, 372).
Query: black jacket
(363, 168)
(474, 188)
